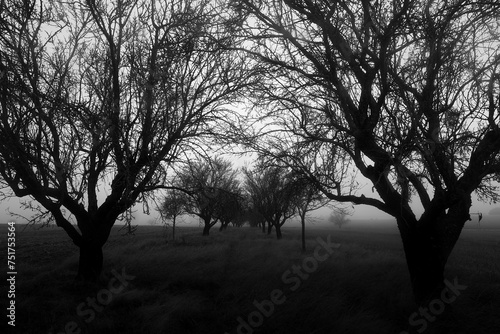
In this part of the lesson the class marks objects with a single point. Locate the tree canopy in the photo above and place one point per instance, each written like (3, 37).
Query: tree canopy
(100, 98)
(211, 191)
(404, 92)
(273, 192)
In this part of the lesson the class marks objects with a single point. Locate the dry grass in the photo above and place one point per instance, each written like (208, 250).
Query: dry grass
(204, 284)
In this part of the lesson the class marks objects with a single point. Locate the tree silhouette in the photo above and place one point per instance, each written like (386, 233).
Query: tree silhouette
(308, 198)
(404, 92)
(273, 193)
(208, 185)
(339, 217)
(99, 99)
(173, 205)
(230, 207)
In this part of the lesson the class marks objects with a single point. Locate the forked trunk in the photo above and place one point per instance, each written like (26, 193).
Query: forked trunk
(428, 245)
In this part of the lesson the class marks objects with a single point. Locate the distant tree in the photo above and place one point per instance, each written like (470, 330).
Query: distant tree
(308, 198)
(172, 206)
(240, 220)
(209, 184)
(273, 192)
(229, 207)
(100, 98)
(339, 217)
(255, 218)
(249, 214)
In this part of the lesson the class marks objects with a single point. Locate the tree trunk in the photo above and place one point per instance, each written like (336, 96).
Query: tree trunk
(223, 226)
(206, 224)
(428, 245)
(426, 259)
(426, 266)
(303, 223)
(173, 228)
(95, 233)
(90, 262)
(206, 229)
(278, 232)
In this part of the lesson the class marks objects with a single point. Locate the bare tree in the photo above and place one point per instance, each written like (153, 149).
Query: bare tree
(209, 184)
(405, 92)
(230, 207)
(173, 205)
(253, 216)
(339, 217)
(308, 198)
(273, 192)
(100, 98)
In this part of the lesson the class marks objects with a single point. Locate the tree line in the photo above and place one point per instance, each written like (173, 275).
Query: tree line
(263, 196)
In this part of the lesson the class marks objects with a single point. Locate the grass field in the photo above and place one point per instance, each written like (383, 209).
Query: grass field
(242, 281)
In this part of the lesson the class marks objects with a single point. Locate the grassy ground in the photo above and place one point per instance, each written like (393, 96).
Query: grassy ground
(213, 284)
